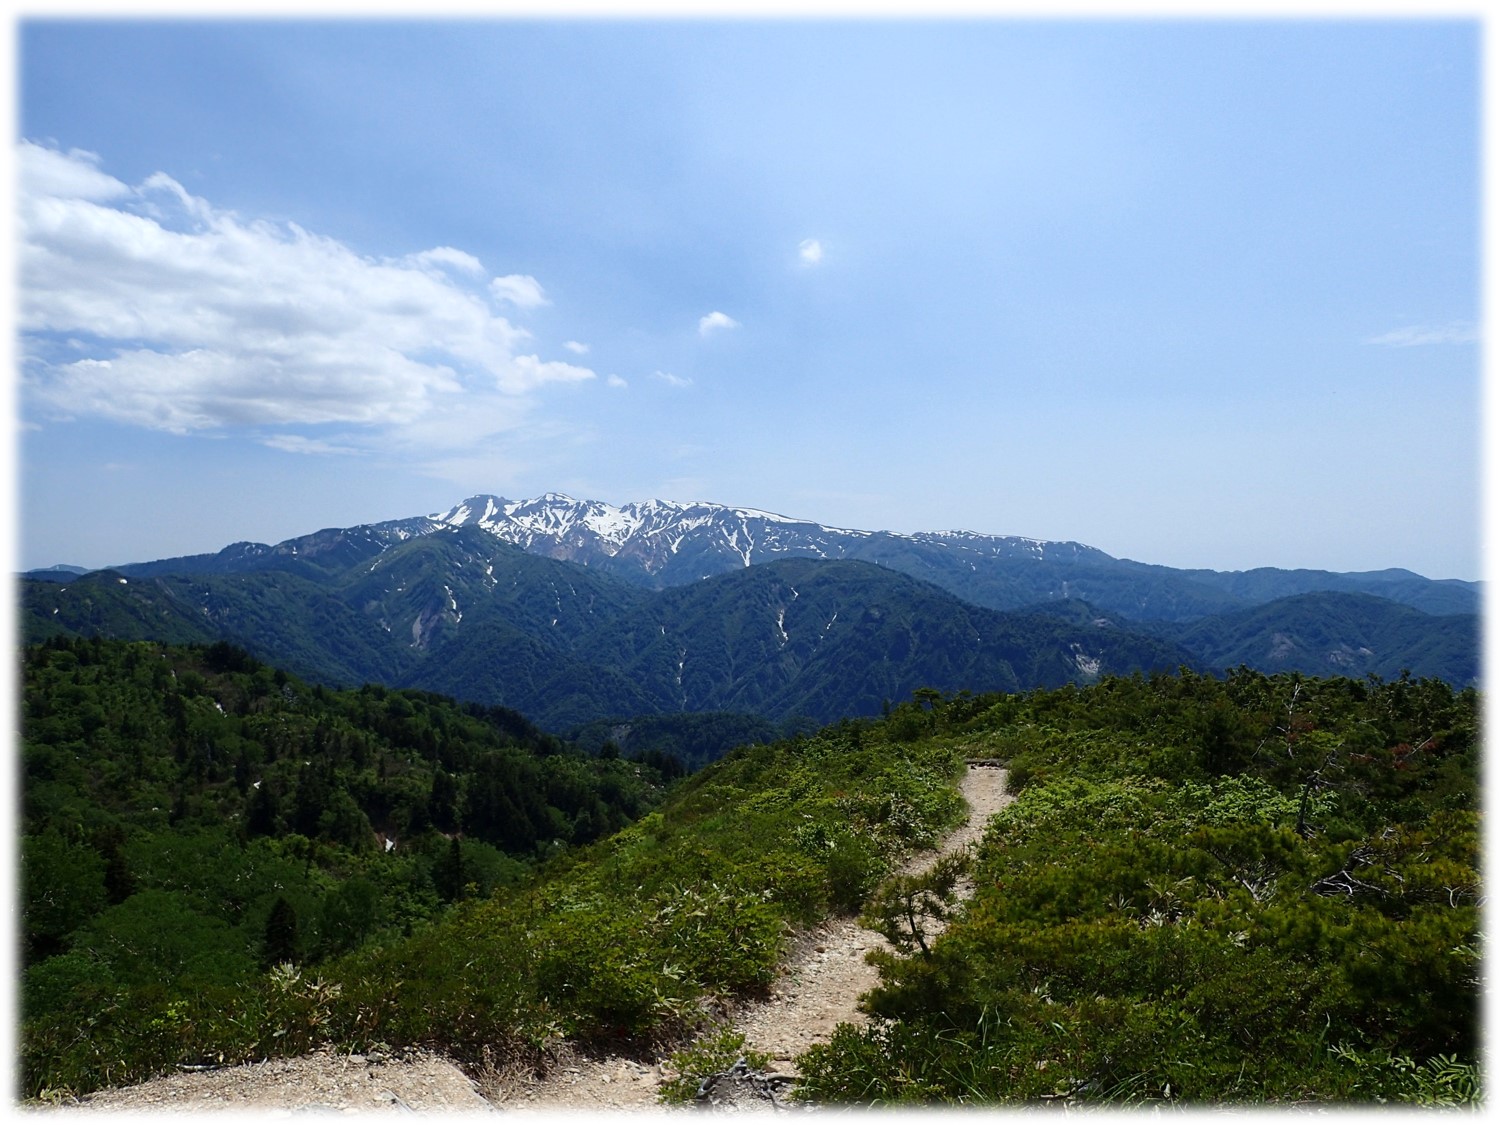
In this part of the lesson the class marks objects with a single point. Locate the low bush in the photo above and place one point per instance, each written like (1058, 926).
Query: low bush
(1198, 883)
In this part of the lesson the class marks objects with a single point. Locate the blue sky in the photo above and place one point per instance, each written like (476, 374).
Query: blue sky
(1200, 293)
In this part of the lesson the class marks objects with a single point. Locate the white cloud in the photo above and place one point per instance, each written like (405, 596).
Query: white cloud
(616, 381)
(66, 175)
(448, 257)
(527, 372)
(810, 251)
(1417, 335)
(459, 425)
(207, 388)
(494, 467)
(672, 380)
(575, 347)
(715, 320)
(188, 317)
(296, 443)
(521, 290)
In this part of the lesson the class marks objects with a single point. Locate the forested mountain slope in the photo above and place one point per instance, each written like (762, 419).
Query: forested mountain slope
(465, 614)
(657, 544)
(191, 817)
(1317, 634)
(805, 637)
(576, 612)
(1343, 634)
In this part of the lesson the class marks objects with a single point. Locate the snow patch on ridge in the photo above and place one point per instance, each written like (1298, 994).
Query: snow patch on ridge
(650, 534)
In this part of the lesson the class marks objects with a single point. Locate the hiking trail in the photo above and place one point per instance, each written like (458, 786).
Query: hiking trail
(817, 988)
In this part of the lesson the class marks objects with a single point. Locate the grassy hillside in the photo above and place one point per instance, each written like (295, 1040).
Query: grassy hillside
(1259, 889)
(466, 947)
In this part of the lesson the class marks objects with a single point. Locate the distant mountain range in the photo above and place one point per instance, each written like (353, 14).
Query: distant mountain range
(576, 611)
(659, 544)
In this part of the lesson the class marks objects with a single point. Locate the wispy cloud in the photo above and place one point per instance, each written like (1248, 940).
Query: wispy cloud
(715, 321)
(1418, 335)
(575, 347)
(448, 258)
(616, 381)
(191, 317)
(296, 443)
(521, 290)
(810, 251)
(672, 380)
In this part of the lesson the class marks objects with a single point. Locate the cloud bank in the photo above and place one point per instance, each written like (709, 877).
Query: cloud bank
(148, 306)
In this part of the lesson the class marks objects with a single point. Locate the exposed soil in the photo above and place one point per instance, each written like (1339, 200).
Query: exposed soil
(825, 975)
(321, 1082)
(818, 988)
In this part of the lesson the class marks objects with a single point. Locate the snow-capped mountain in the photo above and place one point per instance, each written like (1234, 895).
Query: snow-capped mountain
(659, 543)
(662, 543)
(708, 607)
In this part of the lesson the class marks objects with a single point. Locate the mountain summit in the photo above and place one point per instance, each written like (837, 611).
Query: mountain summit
(660, 543)
(572, 611)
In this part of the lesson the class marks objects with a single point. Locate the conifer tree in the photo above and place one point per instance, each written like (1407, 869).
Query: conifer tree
(281, 934)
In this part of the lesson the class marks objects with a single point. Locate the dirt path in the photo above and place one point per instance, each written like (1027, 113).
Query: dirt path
(817, 989)
(825, 976)
(323, 1082)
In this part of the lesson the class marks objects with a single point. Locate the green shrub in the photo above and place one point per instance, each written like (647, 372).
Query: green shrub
(1145, 929)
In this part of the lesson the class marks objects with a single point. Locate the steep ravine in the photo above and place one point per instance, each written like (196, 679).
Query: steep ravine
(818, 988)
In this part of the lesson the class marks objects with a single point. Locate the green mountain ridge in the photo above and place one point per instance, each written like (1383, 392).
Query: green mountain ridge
(1334, 633)
(464, 614)
(574, 611)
